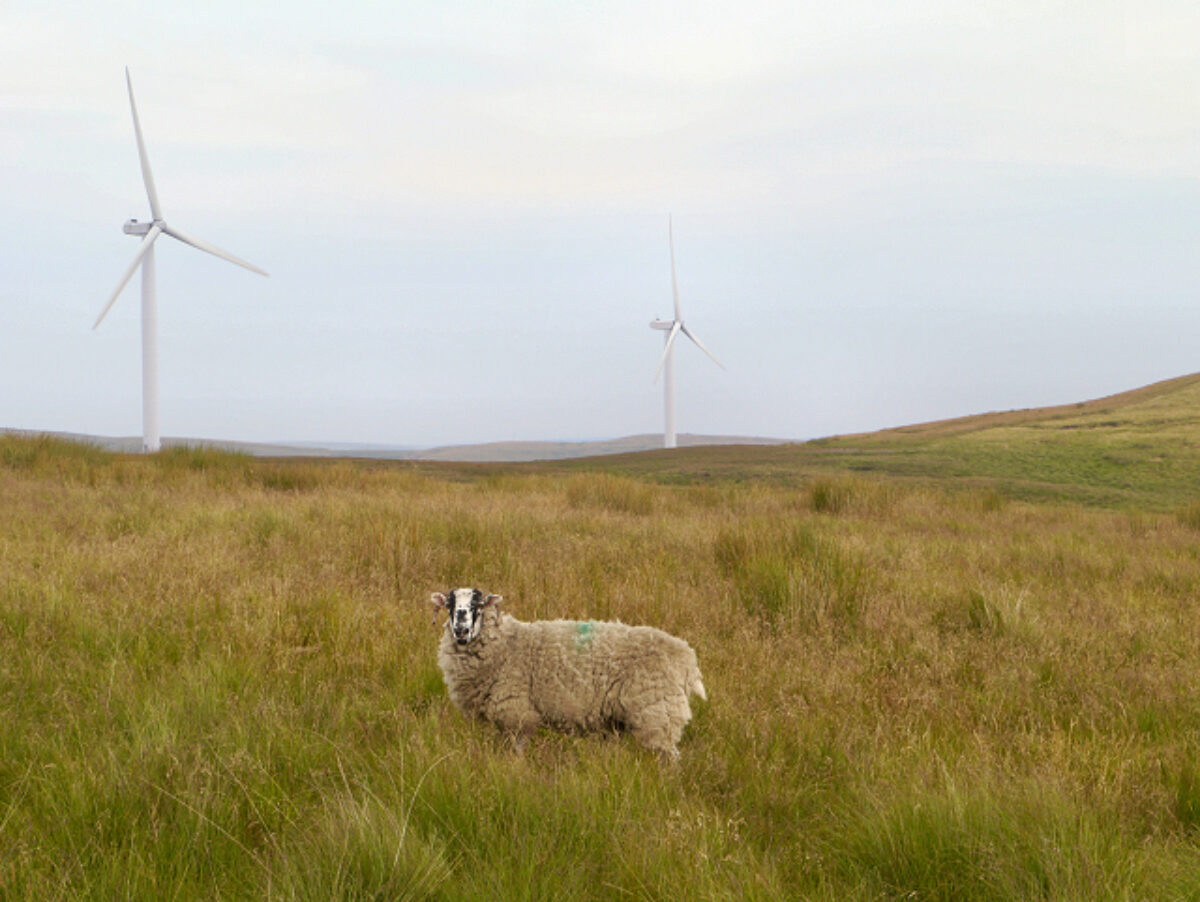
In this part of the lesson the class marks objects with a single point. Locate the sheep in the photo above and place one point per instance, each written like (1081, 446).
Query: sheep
(571, 675)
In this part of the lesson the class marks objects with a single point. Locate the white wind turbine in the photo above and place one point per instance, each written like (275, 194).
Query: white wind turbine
(673, 328)
(149, 232)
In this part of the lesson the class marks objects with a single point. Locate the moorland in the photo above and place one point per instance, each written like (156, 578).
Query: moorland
(951, 661)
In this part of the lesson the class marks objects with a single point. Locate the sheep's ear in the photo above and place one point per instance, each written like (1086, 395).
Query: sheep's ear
(493, 599)
(439, 601)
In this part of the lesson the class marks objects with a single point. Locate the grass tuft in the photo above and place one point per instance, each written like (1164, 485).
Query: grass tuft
(1189, 516)
(830, 496)
(789, 574)
(615, 494)
(1185, 803)
(362, 848)
(1028, 842)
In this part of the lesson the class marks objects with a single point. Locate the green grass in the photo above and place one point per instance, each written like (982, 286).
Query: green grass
(1137, 451)
(218, 675)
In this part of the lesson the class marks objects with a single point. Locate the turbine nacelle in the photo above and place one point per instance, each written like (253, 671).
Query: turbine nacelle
(133, 227)
(675, 326)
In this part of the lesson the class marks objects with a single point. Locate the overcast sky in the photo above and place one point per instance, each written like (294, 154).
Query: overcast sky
(884, 213)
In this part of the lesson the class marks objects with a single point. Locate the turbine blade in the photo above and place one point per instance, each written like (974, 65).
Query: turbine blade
(675, 327)
(154, 232)
(210, 248)
(147, 177)
(674, 281)
(700, 345)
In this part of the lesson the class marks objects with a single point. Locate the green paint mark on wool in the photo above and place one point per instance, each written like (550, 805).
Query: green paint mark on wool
(583, 634)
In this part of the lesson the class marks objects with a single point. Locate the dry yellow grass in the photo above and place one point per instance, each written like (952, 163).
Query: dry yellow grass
(218, 679)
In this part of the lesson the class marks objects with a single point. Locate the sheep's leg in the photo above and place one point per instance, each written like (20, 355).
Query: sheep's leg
(517, 718)
(518, 740)
(658, 727)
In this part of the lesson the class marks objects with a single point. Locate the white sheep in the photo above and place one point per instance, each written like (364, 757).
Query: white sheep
(568, 674)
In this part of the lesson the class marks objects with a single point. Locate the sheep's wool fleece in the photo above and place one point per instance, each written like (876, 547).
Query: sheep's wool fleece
(574, 674)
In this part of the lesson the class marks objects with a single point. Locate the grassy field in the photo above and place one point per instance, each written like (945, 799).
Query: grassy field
(934, 680)
(1139, 450)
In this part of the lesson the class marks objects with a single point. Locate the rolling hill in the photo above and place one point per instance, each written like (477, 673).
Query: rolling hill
(1140, 448)
(528, 451)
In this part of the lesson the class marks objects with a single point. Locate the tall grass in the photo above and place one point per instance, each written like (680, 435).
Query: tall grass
(218, 680)
(789, 574)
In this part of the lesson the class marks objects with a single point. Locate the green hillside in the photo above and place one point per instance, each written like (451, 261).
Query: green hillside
(1137, 449)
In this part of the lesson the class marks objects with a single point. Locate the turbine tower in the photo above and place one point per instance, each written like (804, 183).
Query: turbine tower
(149, 232)
(667, 363)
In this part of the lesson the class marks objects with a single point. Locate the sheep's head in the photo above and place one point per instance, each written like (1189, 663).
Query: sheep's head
(466, 607)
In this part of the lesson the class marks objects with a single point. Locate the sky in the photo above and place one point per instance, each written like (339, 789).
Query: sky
(884, 213)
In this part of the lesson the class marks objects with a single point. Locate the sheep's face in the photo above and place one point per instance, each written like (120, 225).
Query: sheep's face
(466, 607)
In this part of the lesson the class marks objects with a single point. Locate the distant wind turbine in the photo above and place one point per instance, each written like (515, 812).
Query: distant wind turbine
(149, 232)
(667, 363)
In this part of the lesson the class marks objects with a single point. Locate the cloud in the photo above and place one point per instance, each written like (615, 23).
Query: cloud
(383, 108)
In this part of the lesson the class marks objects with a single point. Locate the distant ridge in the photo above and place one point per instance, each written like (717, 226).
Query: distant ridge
(488, 452)
(496, 452)
(1166, 414)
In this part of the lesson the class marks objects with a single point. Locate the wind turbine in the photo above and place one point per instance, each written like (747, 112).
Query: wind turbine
(149, 232)
(667, 363)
